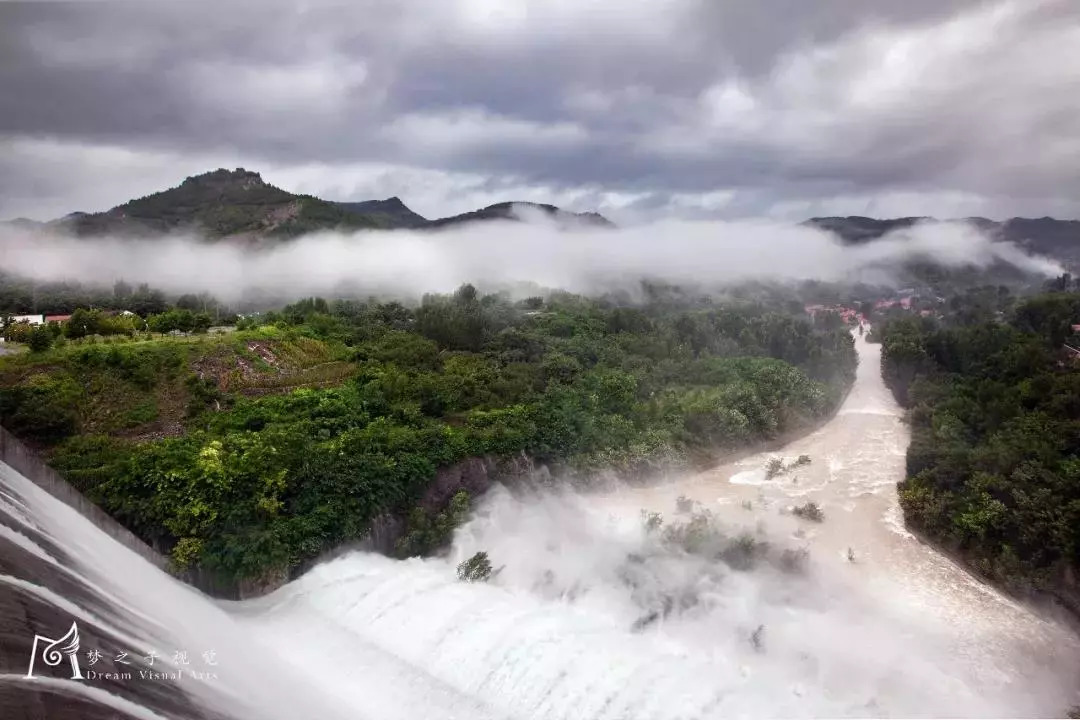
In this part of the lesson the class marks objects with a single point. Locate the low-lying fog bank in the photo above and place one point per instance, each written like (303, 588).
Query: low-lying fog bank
(500, 254)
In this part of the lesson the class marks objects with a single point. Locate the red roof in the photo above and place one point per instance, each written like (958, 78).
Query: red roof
(57, 318)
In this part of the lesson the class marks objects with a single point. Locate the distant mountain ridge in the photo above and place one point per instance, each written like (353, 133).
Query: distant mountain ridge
(391, 212)
(239, 205)
(1059, 239)
(511, 211)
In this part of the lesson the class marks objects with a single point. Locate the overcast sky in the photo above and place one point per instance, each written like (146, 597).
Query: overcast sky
(637, 108)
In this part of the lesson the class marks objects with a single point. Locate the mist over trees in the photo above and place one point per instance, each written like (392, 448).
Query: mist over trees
(21, 295)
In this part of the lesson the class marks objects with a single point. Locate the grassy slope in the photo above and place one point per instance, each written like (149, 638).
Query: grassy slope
(144, 390)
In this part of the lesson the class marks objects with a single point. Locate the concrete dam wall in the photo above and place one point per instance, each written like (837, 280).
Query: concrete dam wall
(28, 463)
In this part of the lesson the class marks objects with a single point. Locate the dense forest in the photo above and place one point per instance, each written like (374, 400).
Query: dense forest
(249, 452)
(20, 295)
(993, 469)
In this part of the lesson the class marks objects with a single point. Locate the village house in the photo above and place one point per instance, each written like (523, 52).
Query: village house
(904, 302)
(1068, 354)
(28, 319)
(849, 315)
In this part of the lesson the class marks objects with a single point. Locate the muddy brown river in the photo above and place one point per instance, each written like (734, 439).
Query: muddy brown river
(856, 460)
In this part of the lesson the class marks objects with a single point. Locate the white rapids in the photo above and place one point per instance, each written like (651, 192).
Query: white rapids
(590, 616)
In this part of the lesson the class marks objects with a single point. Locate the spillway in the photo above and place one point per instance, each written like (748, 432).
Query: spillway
(588, 615)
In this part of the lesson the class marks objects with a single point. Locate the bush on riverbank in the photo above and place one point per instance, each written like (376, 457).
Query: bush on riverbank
(810, 511)
(475, 569)
(776, 466)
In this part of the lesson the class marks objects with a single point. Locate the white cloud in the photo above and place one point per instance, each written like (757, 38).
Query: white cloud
(769, 106)
(502, 21)
(449, 133)
(984, 87)
(319, 86)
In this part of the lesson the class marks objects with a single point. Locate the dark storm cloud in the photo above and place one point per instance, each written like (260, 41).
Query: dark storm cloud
(779, 101)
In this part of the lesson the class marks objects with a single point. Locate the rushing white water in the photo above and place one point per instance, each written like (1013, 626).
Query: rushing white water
(593, 616)
(102, 585)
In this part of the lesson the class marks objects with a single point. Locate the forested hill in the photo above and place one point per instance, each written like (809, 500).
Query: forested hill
(389, 213)
(248, 453)
(239, 204)
(1059, 239)
(218, 204)
(511, 211)
(993, 469)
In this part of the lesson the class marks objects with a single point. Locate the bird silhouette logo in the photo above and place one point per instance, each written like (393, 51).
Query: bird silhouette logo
(54, 651)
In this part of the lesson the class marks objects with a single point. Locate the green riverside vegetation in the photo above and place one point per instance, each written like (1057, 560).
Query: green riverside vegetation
(993, 469)
(248, 453)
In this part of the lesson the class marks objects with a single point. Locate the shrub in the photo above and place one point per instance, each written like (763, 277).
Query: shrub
(743, 552)
(794, 561)
(426, 534)
(40, 339)
(757, 638)
(43, 409)
(809, 511)
(651, 521)
(475, 569)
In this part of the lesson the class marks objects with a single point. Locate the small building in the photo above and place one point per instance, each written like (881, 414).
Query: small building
(28, 319)
(1069, 354)
(57, 318)
(904, 302)
(848, 315)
